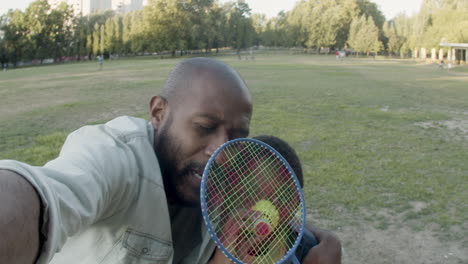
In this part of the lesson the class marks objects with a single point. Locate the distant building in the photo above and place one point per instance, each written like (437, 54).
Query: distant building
(457, 51)
(86, 7)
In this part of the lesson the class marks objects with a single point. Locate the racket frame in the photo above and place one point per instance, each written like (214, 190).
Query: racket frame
(206, 218)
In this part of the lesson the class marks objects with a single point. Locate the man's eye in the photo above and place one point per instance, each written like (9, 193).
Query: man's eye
(205, 128)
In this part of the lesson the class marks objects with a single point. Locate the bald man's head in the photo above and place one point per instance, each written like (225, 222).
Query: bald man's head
(203, 104)
(180, 78)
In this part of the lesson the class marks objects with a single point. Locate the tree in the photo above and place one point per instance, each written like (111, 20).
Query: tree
(60, 28)
(96, 40)
(39, 29)
(394, 41)
(371, 9)
(449, 23)
(323, 23)
(117, 21)
(126, 33)
(364, 35)
(140, 38)
(166, 25)
(217, 31)
(259, 22)
(198, 13)
(3, 51)
(80, 37)
(15, 40)
(239, 25)
(102, 39)
(109, 36)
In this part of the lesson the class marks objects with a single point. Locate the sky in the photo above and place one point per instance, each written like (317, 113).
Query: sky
(390, 8)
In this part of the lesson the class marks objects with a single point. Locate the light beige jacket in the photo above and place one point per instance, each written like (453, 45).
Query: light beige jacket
(104, 200)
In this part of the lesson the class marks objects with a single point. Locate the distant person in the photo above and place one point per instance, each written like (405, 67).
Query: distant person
(100, 61)
(341, 55)
(337, 54)
(441, 64)
(449, 66)
(128, 191)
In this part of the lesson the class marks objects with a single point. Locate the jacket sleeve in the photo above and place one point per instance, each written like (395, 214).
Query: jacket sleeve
(94, 177)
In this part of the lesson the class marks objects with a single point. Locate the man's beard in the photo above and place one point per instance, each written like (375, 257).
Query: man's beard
(167, 151)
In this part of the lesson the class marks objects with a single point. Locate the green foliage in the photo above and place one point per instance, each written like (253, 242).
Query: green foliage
(394, 41)
(174, 25)
(96, 40)
(371, 9)
(322, 23)
(364, 35)
(38, 33)
(102, 38)
(166, 25)
(438, 21)
(239, 25)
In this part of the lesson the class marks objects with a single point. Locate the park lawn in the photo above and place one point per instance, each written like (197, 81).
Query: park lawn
(377, 138)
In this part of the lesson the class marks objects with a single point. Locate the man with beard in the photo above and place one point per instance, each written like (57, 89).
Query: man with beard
(128, 191)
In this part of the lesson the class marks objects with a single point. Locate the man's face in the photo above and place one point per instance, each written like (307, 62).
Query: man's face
(195, 125)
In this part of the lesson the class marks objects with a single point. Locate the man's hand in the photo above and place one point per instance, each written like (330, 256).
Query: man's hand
(328, 251)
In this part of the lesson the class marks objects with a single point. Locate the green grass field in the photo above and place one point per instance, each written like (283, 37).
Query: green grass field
(377, 138)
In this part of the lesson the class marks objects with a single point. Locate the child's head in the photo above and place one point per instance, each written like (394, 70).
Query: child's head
(287, 152)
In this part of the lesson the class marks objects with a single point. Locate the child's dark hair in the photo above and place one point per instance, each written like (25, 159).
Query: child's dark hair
(287, 152)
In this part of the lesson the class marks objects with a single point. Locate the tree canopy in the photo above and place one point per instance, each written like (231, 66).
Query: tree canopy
(42, 32)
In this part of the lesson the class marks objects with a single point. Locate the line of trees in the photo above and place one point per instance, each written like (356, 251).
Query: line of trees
(42, 32)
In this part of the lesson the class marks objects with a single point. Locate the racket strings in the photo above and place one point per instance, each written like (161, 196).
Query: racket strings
(265, 178)
(220, 181)
(234, 170)
(262, 176)
(272, 184)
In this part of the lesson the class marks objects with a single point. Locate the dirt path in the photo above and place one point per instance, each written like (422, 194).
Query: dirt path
(365, 243)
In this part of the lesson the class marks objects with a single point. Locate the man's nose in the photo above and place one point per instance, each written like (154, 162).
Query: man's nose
(216, 141)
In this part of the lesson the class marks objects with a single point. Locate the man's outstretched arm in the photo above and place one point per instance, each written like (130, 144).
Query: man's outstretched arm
(19, 219)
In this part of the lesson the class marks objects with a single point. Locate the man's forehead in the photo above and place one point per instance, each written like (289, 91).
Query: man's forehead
(239, 122)
(219, 117)
(213, 93)
(212, 89)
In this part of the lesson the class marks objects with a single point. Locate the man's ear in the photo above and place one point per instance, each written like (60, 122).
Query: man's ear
(158, 110)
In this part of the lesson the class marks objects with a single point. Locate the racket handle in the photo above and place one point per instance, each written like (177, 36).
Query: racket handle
(295, 260)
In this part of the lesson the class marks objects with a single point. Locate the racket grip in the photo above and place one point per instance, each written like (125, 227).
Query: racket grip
(295, 260)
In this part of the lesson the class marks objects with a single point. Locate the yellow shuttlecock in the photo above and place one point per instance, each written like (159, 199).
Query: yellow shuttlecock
(269, 212)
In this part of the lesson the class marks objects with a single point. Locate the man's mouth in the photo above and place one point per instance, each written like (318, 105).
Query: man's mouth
(198, 173)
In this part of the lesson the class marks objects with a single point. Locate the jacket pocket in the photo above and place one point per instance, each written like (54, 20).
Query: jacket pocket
(140, 248)
(146, 246)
